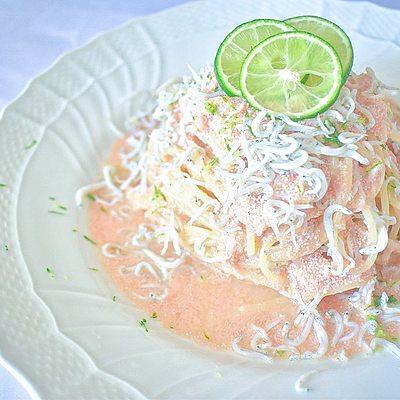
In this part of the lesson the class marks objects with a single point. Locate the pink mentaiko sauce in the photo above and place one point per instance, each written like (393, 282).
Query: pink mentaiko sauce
(205, 305)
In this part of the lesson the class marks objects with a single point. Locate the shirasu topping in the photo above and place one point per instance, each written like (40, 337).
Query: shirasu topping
(251, 151)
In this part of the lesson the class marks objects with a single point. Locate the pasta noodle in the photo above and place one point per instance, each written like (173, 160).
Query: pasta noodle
(309, 209)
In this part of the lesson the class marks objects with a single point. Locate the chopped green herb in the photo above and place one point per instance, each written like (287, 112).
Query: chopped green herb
(280, 353)
(157, 211)
(251, 130)
(206, 336)
(143, 324)
(345, 126)
(31, 144)
(6, 247)
(213, 162)
(74, 230)
(154, 315)
(61, 207)
(383, 146)
(361, 120)
(211, 107)
(89, 240)
(158, 194)
(391, 300)
(333, 138)
(304, 78)
(389, 110)
(93, 269)
(56, 212)
(50, 273)
(171, 327)
(299, 188)
(371, 317)
(373, 166)
(202, 278)
(380, 333)
(52, 198)
(91, 197)
(114, 298)
(3, 185)
(228, 142)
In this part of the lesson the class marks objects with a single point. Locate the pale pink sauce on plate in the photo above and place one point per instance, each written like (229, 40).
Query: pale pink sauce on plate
(203, 304)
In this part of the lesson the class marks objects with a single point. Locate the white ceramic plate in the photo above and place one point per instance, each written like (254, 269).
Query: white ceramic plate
(66, 338)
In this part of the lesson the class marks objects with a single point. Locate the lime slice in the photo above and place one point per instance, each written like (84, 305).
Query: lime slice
(330, 32)
(275, 75)
(235, 47)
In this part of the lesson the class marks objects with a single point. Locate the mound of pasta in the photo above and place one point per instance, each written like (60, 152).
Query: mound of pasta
(300, 207)
(287, 232)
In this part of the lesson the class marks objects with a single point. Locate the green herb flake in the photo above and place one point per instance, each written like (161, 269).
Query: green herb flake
(202, 278)
(280, 353)
(251, 130)
(373, 166)
(345, 126)
(361, 121)
(389, 111)
(157, 211)
(158, 194)
(211, 107)
(371, 317)
(31, 144)
(392, 299)
(154, 315)
(61, 207)
(50, 272)
(93, 269)
(206, 335)
(52, 198)
(383, 146)
(3, 185)
(56, 212)
(143, 323)
(213, 162)
(6, 248)
(377, 302)
(303, 80)
(228, 143)
(91, 197)
(74, 230)
(380, 333)
(333, 138)
(114, 298)
(171, 327)
(89, 239)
